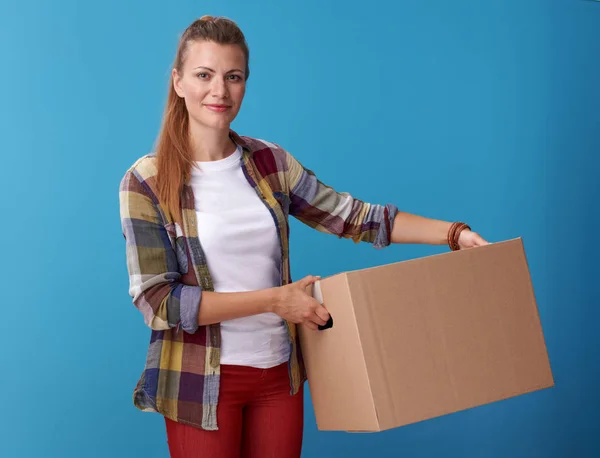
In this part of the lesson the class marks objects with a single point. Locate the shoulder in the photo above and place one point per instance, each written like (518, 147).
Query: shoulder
(141, 176)
(144, 167)
(266, 153)
(258, 144)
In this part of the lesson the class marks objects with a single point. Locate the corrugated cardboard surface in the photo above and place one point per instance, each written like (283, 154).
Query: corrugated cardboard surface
(335, 390)
(422, 338)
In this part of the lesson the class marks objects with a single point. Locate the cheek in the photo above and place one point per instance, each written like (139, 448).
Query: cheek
(197, 95)
(194, 93)
(238, 93)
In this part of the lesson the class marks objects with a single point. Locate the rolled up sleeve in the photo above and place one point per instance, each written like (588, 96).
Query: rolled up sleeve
(327, 210)
(152, 265)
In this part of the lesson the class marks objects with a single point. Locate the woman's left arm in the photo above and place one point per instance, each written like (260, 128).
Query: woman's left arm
(410, 228)
(323, 208)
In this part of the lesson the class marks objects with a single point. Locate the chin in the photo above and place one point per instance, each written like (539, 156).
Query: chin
(209, 123)
(223, 124)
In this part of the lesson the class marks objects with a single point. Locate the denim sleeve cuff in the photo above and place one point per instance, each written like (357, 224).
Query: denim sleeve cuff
(384, 234)
(189, 307)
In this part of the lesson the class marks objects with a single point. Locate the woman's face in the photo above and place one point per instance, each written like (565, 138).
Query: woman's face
(212, 82)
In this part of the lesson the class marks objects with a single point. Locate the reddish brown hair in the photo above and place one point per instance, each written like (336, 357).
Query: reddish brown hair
(173, 155)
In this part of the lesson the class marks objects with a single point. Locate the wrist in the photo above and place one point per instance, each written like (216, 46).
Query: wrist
(454, 234)
(273, 299)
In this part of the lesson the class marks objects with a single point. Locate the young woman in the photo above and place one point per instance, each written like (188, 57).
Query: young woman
(205, 220)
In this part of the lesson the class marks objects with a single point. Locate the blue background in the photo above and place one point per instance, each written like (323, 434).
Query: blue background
(487, 112)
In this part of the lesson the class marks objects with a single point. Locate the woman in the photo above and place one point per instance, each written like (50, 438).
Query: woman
(205, 220)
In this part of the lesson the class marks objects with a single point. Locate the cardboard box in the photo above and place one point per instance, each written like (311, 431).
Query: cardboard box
(423, 338)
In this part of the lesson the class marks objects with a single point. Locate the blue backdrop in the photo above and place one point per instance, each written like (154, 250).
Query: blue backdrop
(486, 112)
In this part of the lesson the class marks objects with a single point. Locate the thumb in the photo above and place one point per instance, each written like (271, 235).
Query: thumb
(308, 280)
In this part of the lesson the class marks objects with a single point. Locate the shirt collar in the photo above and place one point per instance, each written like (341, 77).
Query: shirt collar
(238, 140)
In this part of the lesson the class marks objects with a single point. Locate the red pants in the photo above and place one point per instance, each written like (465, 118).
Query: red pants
(256, 415)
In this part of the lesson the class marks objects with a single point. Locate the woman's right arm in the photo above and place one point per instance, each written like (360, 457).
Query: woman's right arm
(154, 277)
(165, 302)
(291, 302)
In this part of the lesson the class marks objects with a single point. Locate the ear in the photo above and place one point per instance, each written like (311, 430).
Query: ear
(177, 82)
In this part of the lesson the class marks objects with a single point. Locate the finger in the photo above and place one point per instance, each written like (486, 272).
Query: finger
(311, 325)
(481, 241)
(317, 320)
(310, 316)
(308, 280)
(322, 314)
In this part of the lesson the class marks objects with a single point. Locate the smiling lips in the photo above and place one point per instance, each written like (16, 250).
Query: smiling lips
(218, 108)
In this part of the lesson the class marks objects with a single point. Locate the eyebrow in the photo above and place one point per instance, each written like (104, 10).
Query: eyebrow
(210, 69)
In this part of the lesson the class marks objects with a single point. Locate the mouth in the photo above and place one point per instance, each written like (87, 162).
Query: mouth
(217, 108)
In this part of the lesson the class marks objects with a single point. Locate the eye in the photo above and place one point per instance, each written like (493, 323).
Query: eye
(235, 77)
(202, 75)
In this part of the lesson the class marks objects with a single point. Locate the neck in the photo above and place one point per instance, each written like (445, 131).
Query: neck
(210, 144)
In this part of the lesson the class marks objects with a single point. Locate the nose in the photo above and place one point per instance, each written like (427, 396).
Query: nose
(219, 89)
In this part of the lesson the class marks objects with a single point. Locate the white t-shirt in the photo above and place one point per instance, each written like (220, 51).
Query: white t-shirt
(240, 242)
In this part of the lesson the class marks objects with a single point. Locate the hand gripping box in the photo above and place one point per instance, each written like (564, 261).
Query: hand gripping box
(426, 337)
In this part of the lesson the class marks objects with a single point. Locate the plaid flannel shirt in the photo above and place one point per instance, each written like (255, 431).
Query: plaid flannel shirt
(168, 271)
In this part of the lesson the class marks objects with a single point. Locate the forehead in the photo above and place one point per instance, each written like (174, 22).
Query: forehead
(214, 55)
